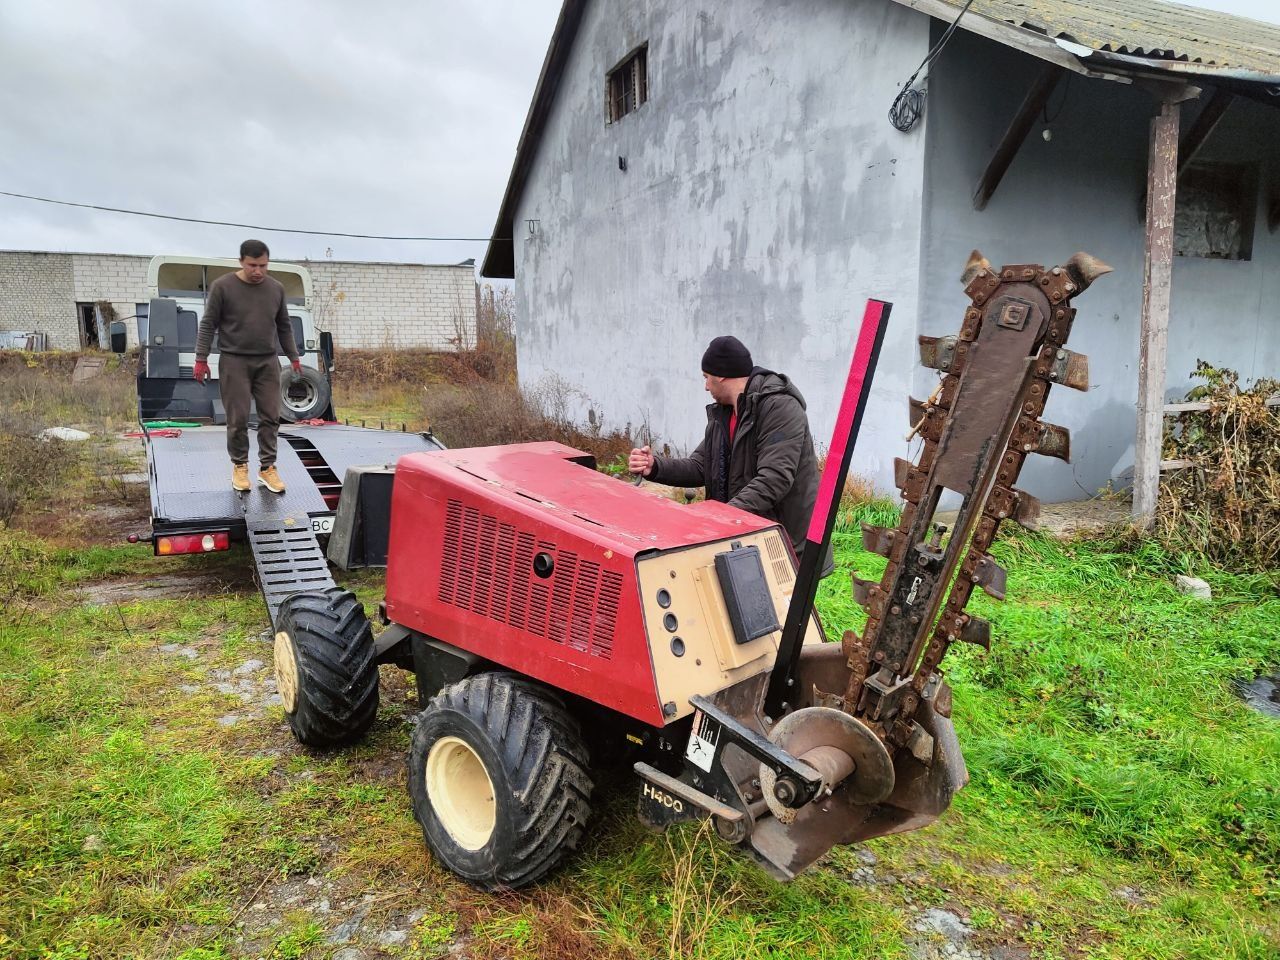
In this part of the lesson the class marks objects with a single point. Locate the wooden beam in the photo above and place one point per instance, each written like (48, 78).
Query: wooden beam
(1162, 188)
(1019, 127)
(1203, 126)
(1196, 406)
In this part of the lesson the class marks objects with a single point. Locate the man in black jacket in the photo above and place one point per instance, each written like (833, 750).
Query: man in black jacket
(757, 453)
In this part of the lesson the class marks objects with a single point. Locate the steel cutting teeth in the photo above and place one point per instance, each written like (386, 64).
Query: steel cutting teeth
(996, 375)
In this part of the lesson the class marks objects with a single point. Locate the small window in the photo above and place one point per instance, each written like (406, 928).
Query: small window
(1216, 203)
(628, 85)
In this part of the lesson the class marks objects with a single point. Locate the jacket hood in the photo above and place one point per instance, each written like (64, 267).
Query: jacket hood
(763, 383)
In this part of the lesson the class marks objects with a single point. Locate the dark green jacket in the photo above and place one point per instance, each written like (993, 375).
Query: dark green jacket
(769, 470)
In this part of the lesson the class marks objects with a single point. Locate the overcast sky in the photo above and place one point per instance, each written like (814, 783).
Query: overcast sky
(382, 116)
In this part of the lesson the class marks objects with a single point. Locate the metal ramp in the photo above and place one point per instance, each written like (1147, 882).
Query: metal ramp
(288, 559)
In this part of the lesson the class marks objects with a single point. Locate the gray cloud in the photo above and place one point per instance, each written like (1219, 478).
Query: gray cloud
(379, 117)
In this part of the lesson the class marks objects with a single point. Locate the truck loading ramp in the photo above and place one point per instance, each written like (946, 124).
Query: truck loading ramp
(190, 480)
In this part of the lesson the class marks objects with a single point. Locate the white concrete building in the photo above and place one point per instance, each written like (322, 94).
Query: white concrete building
(690, 170)
(363, 304)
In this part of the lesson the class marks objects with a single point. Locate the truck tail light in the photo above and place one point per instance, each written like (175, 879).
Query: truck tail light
(193, 543)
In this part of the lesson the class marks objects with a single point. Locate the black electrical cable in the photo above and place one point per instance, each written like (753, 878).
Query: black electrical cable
(908, 105)
(1066, 87)
(245, 226)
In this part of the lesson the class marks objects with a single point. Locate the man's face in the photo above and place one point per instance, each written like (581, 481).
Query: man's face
(717, 388)
(255, 268)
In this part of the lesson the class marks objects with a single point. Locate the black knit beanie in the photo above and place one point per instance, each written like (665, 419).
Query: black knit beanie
(727, 357)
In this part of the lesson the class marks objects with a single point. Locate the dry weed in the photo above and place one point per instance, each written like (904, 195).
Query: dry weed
(1226, 504)
(31, 469)
(700, 895)
(36, 389)
(486, 414)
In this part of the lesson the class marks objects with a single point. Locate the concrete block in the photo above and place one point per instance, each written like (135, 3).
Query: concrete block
(1193, 587)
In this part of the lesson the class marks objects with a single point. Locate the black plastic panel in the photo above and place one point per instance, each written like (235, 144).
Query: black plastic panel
(746, 593)
(362, 526)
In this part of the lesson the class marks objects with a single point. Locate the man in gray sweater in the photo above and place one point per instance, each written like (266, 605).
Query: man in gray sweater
(247, 310)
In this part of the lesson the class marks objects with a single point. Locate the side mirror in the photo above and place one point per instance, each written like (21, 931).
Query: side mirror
(119, 339)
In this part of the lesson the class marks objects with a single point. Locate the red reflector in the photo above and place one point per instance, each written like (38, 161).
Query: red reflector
(193, 543)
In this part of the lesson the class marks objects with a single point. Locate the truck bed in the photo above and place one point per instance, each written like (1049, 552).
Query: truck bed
(190, 475)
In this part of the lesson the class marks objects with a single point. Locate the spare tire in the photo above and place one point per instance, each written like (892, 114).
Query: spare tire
(303, 396)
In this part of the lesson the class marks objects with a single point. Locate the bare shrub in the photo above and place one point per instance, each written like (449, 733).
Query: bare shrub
(32, 469)
(484, 414)
(372, 368)
(496, 333)
(1226, 504)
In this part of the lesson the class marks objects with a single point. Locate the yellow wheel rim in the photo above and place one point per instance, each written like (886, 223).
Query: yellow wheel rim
(286, 658)
(461, 792)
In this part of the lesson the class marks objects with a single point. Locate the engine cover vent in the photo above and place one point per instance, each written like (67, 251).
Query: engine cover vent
(782, 571)
(487, 569)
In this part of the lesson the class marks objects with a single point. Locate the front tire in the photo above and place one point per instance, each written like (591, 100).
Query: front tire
(499, 780)
(326, 671)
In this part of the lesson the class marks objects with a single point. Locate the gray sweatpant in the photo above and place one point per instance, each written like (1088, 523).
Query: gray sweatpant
(241, 377)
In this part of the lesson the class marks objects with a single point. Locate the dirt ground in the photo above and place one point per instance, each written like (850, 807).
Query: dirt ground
(1072, 519)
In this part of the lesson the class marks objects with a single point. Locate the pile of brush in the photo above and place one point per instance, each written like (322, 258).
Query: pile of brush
(1223, 499)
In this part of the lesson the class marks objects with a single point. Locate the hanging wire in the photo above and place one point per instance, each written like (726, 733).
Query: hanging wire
(246, 226)
(908, 105)
(1066, 87)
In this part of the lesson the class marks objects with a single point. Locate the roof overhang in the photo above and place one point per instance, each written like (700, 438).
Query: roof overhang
(1090, 61)
(499, 258)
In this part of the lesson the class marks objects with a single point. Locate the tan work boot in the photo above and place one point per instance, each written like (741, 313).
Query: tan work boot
(240, 477)
(269, 477)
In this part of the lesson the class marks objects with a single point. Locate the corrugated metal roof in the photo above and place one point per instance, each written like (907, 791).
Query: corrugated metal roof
(1151, 29)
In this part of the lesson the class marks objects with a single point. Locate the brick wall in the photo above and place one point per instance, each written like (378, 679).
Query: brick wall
(36, 295)
(370, 305)
(362, 304)
(118, 278)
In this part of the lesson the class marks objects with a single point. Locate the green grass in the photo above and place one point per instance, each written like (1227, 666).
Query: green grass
(1123, 803)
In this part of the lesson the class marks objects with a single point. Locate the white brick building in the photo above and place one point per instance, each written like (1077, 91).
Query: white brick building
(362, 304)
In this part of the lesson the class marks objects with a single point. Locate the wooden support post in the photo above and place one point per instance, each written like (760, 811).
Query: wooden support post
(1162, 188)
(1020, 126)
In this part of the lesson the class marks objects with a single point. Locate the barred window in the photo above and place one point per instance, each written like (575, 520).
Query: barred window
(1215, 211)
(627, 85)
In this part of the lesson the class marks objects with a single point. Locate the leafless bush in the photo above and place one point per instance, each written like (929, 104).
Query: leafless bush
(31, 469)
(484, 414)
(496, 333)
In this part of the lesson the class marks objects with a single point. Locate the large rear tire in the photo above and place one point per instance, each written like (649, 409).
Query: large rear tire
(326, 671)
(499, 780)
